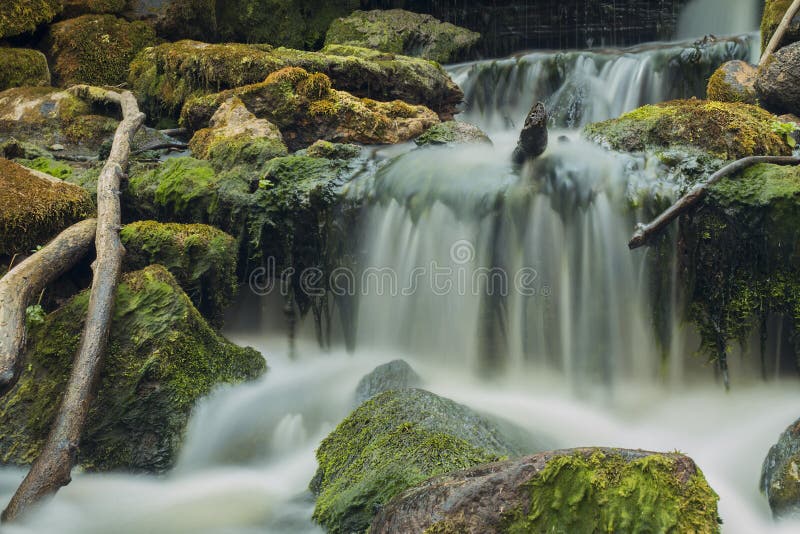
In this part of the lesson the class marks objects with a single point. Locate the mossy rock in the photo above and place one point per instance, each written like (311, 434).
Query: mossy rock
(774, 11)
(21, 16)
(403, 32)
(453, 133)
(725, 130)
(76, 8)
(575, 490)
(23, 67)
(95, 49)
(201, 258)
(733, 81)
(390, 443)
(166, 76)
(328, 150)
(780, 481)
(161, 358)
(36, 208)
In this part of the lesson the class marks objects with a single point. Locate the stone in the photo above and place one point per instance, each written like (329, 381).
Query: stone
(774, 11)
(780, 474)
(23, 67)
(453, 133)
(533, 138)
(733, 81)
(778, 81)
(24, 16)
(394, 375)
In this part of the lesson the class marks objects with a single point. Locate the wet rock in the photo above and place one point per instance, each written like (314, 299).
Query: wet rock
(394, 375)
(23, 67)
(533, 138)
(328, 150)
(453, 133)
(95, 49)
(734, 81)
(162, 357)
(774, 11)
(403, 32)
(778, 81)
(572, 490)
(21, 16)
(392, 442)
(780, 474)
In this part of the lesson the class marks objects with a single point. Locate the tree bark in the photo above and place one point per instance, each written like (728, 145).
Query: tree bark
(777, 37)
(52, 468)
(645, 232)
(20, 286)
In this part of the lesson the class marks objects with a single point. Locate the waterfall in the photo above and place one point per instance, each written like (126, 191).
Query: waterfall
(719, 17)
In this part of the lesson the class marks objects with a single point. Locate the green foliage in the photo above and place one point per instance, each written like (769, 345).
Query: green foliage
(34, 315)
(49, 166)
(786, 130)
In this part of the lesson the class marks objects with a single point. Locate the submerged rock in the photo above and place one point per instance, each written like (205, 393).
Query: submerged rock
(403, 32)
(774, 11)
(780, 474)
(577, 490)
(161, 358)
(23, 67)
(36, 207)
(734, 81)
(533, 138)
(394, 375)
(21, 16)
(778, 81)
(390, 443)
(453, 133)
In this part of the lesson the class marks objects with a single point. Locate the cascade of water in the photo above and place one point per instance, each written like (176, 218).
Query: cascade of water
(718, 17)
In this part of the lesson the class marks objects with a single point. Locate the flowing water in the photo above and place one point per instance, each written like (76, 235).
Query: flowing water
(513, 293)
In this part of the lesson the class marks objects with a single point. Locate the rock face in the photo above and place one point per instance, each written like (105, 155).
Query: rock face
(780, 475)
(778, 82)
(394, 375)
(774, 11)
(578, 490)
(162, 356)
(164, 77)
(453, 133)
(20, 16)
(391, 443)
(23, 67)
(533, 138)
(95, 49)
(734, 81)
(403, 32)
(36, 207)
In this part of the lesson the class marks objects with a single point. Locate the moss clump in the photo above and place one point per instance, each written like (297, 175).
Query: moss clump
(74, 8)
(20, 16)
(35, 209)
(451, 133)
(96, 49)
(201, 258)
(607, 492)
(49, 166)
(403, 32)
(725, 130)
(391, 443)
(774, 11)
(733, 82)
(23, 67)
(161, 358)
(328, 150)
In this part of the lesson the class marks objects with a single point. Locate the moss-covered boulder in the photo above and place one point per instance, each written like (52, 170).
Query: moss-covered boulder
(733, 81)
(390, 443)
(453, 133)
(201, 258)
(780, 474)
(778, 81)
(95, 49)
(774, 11)
(328, 150)
(20, 16)
(36, 207)
(306, 108)
(162, 357)
(23, 67)
(76, 8)
(165, 76)
(236, 136)
(177, 19)
(574, 490)
(403, 32)
(725, 130)
(394, 375)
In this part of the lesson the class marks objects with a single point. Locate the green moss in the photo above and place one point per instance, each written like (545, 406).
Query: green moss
(20, 16)
(328, 150)
(161, 358)
(187, 19)
(774, 11)
(96, 49)
(452, 132)
(74, 8)
(202, 259)
(733, 82)
(609, 493)
(725, 130)
(50, 166)
(36, 209)
(22, 67)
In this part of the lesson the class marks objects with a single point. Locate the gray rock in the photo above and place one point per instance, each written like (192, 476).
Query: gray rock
(780, 474)
(396, 374)
(533, 138)
(453, 133)
(778, 82)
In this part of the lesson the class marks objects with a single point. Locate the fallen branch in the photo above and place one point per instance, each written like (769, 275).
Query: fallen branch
(20, 286)
(52, 468)
(645, 232)
(780, 31)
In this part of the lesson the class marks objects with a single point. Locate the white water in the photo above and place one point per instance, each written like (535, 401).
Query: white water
(719, 17)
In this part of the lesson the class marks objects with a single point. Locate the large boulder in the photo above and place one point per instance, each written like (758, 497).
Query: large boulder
(453, 133)
(780, 474)
(393, 375)
(36, 207)
(403, 32)
(23, 67)
(305, 108)
(778, 81)
(390, 443)
(165, 76)
(733, 81)
(95, 49)
(577, 490)
(21, 16)
(774, 11)
(161, 358)
(725, 130)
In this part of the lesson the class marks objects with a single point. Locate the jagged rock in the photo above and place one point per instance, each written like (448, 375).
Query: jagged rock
(575, 490)
(774, 11)
(394, 375)
(778, 81)
(23, 67)
(780, 474)
(734, 81)
(21, 16)
(453, 133)
(533, 138)
(403, 32)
